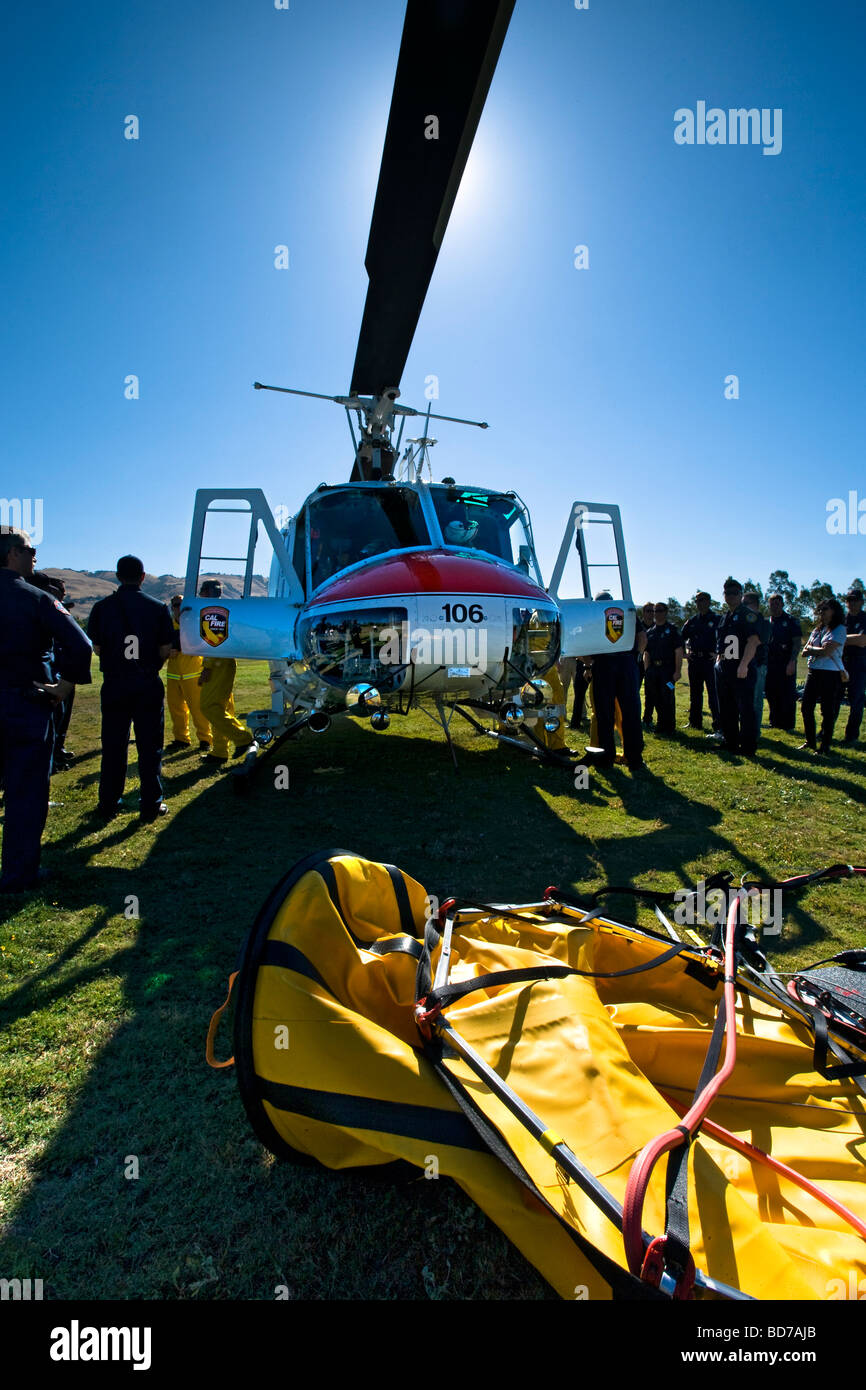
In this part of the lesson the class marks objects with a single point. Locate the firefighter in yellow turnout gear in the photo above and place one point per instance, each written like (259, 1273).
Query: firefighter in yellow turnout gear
(217, 701)
(182, 692)
(218, 706)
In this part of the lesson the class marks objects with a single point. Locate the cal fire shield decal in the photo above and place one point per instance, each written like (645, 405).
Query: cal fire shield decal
(614, 621)
(214, 625)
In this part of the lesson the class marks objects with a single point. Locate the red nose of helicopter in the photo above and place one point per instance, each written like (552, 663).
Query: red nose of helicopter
(439, 615)
(434, 572)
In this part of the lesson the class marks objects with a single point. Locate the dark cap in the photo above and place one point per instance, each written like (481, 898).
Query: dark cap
(702, 593)
(732, 585)
(855, 593)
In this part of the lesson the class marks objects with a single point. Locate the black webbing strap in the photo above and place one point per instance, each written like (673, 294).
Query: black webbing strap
(441, 998)
(722, 879)
(424, 973)
(854, 1071)
(407, 944)
(822, 1044)
(622, 1284)
(401, 893)
(677, 1173)
(677, 1207)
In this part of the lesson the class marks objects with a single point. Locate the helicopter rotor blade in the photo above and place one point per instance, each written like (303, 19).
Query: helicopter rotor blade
(448, 55)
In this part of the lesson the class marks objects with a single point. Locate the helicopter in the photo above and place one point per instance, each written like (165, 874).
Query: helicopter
(393, 591)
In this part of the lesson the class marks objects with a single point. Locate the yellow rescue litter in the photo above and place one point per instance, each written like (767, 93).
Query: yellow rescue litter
(538, 1052)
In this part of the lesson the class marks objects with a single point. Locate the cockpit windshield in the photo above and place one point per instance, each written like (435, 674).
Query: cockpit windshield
(348, 525)
(480, 520)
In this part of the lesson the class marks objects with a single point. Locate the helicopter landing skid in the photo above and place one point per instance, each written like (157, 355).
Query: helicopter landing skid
(536, 750)
(242, 777)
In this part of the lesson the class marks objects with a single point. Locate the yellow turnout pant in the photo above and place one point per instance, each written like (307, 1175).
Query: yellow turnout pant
(183, 696)
(218, 706)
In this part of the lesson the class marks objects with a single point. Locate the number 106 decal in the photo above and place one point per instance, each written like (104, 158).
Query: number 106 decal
(458, 613)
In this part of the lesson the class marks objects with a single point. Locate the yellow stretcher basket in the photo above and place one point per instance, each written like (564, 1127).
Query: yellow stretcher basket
(538, 1094)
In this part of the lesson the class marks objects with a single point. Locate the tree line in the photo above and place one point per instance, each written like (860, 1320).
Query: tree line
(799, 602)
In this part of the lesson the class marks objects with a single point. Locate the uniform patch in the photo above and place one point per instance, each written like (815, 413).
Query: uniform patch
(59, 606)
(214, 625)
(614, 623)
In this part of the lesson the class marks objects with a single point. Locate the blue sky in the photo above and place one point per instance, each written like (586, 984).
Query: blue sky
(261, 127)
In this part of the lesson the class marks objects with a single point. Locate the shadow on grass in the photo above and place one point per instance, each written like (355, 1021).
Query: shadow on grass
(210, 1215)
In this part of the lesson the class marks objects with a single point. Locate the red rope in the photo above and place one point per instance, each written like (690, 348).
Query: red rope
(641, 1171)
(759, 1156)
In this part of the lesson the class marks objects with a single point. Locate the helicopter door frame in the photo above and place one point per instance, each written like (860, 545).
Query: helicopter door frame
(258, 511)
(578, 519)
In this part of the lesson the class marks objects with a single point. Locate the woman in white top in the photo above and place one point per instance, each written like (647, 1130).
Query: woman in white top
(824, 681)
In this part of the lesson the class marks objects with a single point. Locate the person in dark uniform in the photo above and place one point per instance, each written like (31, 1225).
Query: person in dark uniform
(646, 620)
(663, 661)
(31, 622)
(783, 647)
(699, 635)
(737, 641)
(132, 635)
(62, 757)
(753, 602)
(854, 656)
(615, 682)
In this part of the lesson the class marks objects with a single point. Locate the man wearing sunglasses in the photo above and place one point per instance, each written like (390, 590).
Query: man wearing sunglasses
(35, 629)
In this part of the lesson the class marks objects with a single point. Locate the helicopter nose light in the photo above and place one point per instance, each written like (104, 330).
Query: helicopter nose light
(552, 723)
(380, 720)
(512, 713)
(537, 693)
(363, 700)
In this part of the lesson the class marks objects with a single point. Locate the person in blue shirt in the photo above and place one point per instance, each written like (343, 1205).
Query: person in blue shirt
(35, 631)
(826, 669)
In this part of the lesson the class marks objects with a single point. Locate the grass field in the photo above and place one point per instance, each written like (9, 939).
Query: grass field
(104, 1014)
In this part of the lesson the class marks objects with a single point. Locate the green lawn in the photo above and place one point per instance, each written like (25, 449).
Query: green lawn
(104, 1014)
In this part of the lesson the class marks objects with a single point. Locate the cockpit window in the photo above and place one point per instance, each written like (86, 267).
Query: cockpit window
(348, 525)
(480, 520)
